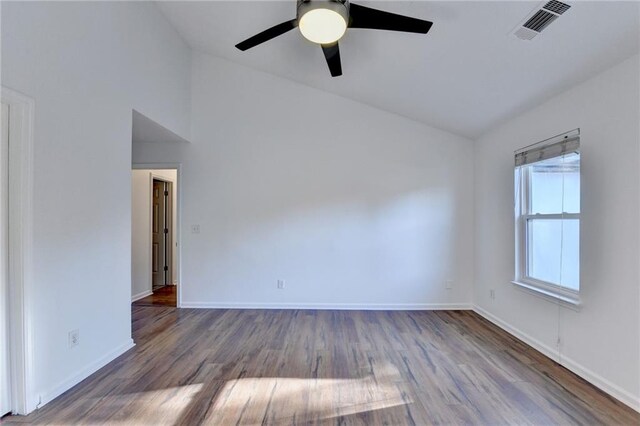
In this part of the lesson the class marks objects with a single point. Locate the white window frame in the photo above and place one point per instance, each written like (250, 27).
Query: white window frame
(523, 204)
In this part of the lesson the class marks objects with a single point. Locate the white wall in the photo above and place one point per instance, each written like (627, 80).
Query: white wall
(87, 65)
(601, 341)
(350, 205)
(140, 234)
(141, 181)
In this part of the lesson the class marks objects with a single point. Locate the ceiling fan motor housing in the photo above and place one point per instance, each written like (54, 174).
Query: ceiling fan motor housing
(339, 6)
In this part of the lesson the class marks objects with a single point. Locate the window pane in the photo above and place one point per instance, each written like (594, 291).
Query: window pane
(555, 185)
(544, 247)
(554, 251)
(570, 254)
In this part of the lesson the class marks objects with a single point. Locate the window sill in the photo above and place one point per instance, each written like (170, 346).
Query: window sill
(567, 300)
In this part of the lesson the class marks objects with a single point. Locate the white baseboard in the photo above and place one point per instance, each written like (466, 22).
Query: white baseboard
(548, 351)
(70, 382)
(141, 295)
(333, 306)
(600, 382)
(605, 385)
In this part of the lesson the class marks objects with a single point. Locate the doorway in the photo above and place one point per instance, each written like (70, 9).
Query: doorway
(155, 237)
(161, 234)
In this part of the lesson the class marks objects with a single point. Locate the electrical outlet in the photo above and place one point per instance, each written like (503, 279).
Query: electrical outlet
(195, 229)
(492, 294)
(280, 284)
(74, 338)
(448, 284)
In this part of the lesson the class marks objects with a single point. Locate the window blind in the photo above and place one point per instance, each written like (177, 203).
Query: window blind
(550, 148)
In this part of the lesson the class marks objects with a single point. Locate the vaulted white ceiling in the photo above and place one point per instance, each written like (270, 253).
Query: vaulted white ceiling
(466, 76)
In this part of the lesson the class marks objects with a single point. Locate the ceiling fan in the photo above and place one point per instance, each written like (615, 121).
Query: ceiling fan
(324, 22)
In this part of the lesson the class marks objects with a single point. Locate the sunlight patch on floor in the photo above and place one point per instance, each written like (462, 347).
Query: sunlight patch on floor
(153, 407)
(274, 399)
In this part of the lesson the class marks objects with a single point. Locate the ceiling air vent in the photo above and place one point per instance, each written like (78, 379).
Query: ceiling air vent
(556, 7)
(539, 19)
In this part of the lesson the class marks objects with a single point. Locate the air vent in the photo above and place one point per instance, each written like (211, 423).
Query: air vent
(539, 19)
(556, 7)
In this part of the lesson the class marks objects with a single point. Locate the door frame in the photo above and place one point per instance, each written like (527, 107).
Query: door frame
(177, 250)
(21, 338)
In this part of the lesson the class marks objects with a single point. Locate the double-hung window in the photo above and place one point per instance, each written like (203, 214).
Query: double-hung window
(547, 210)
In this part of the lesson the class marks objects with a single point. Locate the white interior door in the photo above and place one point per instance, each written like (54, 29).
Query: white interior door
(5, 372)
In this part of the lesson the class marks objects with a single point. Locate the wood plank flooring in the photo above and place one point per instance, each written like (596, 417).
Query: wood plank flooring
(223, 367)
(162, 296)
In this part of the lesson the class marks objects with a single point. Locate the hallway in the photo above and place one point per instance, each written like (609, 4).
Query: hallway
(162, 296)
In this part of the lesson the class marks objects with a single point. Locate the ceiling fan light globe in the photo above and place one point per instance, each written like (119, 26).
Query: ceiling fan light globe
(322, 26)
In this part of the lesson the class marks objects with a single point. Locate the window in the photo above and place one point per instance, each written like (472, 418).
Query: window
(547, 189)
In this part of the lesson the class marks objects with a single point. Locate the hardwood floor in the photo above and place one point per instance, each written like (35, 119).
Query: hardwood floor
(162, 296)
(224, 367)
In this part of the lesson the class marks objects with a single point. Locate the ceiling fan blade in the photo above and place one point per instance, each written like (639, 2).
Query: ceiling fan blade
(267, 35)
(332, 55)
(366, 17)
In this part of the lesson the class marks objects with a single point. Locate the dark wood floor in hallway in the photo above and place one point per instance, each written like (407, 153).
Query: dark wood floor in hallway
(162, 296)
(223, 367)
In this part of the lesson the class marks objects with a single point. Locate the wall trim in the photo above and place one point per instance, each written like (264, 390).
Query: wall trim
(595, 379)
(603, 384)
(332, 306)
(547, 351)
(20, 241)
(141, 295)
(70, 382)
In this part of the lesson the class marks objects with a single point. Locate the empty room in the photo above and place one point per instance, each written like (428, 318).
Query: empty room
(320, 212)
